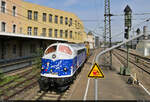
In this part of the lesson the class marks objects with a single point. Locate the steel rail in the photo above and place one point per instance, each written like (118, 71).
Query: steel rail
(20, 76)
(136, 55)
(139, 66)
(21, 90)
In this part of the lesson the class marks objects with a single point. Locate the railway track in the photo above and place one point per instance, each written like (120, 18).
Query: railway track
(20, 75)
(57, 95)
(14, 90)
(53, 95)
(16, 87)
(19, 64)
(138, 58)
(139, 69)
(19, 90)
(140, 62)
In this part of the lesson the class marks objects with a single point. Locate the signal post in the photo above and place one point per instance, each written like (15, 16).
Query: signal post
(128, 17)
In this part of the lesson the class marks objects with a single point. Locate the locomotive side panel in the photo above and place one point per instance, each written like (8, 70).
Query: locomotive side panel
(74, 64)
(81, 57)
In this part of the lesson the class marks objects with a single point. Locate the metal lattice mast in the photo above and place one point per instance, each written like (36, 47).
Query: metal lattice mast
(107, 34)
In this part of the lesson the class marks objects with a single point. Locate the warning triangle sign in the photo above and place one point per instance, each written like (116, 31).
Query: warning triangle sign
(96, 72)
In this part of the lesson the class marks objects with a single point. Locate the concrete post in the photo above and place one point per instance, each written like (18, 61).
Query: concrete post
(145, 33)
(138, 32)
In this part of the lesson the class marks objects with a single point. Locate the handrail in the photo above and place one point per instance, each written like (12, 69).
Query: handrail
(115, 46)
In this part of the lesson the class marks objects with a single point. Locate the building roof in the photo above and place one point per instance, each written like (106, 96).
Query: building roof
(30, 36)
(49, 8)
(89, 33)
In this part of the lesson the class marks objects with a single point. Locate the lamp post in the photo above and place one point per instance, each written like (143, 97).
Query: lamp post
(128, 24)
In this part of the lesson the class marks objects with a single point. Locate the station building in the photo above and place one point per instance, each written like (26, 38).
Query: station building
(25, 27)
(91, 39)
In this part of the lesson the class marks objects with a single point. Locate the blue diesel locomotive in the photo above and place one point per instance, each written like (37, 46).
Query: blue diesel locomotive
(60, 64)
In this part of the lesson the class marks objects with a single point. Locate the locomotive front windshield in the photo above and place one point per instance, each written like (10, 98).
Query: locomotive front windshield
(65, 49)
(51, 49)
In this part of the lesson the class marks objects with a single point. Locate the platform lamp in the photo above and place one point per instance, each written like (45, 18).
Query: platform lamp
(128, 24)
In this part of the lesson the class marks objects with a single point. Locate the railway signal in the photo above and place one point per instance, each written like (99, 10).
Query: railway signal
(126, 35)
(128, 24)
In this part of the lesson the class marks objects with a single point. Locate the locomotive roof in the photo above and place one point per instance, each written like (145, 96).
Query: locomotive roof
(77, 46)
(74, 46)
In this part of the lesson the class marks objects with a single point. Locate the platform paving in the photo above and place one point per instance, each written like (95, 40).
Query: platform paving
(113, 87)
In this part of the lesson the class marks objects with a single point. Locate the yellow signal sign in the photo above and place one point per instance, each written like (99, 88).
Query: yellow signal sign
(96, 72)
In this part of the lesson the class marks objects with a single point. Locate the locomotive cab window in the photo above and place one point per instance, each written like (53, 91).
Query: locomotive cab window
(65, 49)
(80, 51)
(51, 49)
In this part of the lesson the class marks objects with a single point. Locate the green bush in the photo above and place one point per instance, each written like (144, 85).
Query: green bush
(39, 54)
(1, 75)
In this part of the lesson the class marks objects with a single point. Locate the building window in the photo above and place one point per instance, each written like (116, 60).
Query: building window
(43, 31)
(50, 32)
(75, 35)
(3, 6)
(29, 31)
(14, 49)
(71, 34)
(35, 31)
(61, 33)
(61, 20)
(56, 33)
(29, 14)
(44, 17)
(56, 19)
(3, 26)
(70, 22)
(20, 29)
(66, 33)
(14, 28)
(76, 23)
(50, 17)
(66, 20)
(35, 15)
(14, 10)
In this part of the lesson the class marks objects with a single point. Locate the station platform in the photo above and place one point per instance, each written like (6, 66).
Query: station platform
(112, 87)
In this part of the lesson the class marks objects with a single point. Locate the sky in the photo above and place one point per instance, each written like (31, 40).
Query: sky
(91, 12)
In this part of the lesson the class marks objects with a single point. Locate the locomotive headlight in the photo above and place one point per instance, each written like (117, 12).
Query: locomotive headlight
(65, 69)
(54, 56)
(71, 66)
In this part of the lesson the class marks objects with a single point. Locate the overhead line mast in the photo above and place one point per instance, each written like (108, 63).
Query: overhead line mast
(107, 34)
